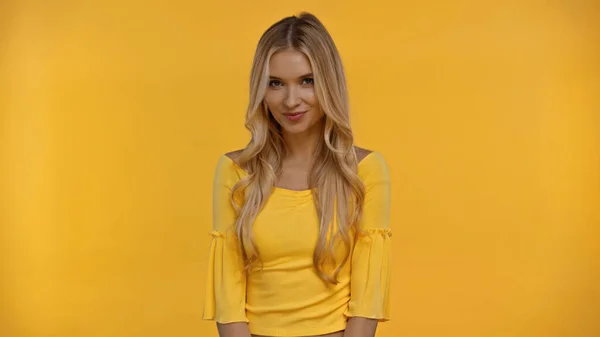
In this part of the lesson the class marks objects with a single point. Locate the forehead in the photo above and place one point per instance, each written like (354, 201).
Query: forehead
(289, 64)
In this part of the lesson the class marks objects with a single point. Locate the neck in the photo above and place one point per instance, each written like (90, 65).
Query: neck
(301, 147)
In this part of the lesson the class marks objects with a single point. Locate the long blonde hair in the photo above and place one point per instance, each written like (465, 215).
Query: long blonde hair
(338, 191)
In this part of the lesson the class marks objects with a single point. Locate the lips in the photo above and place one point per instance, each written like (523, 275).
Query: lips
(294, 113)
(294, 116)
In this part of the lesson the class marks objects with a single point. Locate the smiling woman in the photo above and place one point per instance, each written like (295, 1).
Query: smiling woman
(302, 194)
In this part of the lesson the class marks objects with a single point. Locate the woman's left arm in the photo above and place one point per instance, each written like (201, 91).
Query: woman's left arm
(360, 327)
(371, 257)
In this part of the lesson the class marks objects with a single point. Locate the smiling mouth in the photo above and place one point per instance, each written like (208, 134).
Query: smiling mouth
(294, 116)
(294, 113)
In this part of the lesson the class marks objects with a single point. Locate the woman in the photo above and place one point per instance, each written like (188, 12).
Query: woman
(301, 243)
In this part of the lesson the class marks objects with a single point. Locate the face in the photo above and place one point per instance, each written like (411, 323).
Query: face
(290, 95)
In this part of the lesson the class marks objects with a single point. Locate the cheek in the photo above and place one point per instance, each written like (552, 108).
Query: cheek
(273, 100)
(310, 98)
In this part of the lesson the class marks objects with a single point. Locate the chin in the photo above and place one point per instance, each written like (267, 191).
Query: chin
(295, 129)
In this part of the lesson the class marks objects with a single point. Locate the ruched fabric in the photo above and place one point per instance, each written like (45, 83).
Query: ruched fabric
(226, 282)
(371, 275)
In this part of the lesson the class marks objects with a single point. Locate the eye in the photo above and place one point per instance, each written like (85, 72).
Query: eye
(274, 83)
(308, 81)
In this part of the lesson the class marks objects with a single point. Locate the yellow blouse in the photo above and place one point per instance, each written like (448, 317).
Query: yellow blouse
(284, 296)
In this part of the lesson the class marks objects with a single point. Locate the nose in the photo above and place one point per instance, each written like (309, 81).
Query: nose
(292, 97)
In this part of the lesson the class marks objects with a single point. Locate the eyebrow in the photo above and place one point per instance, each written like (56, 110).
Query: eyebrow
(303, 76)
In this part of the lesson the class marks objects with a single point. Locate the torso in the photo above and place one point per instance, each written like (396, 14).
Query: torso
(293, 177)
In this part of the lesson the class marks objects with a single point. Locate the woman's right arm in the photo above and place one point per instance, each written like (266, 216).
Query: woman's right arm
(237, 329)
(226, 280)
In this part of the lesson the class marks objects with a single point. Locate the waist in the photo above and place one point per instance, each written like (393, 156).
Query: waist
(282, 292)
(296, 303)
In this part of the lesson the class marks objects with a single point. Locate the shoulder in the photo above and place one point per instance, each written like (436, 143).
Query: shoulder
(233, 155)
(372, 166)
(227, 167)
(361, 153)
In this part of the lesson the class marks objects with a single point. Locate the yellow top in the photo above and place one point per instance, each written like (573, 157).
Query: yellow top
(284, 296)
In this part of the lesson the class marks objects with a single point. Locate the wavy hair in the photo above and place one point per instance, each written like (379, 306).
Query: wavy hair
(337, 189)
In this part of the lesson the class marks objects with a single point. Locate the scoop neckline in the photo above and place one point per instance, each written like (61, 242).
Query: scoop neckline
(290, 191)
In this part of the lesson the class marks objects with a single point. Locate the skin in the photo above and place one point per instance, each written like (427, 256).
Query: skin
(291, 89)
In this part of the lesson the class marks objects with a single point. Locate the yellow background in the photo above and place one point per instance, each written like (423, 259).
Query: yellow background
(115, 112)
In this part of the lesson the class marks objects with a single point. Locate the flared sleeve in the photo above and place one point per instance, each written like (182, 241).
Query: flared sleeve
(225, 300)
(371, 257)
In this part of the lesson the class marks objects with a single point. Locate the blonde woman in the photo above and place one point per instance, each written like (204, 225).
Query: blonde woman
(301, 238)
